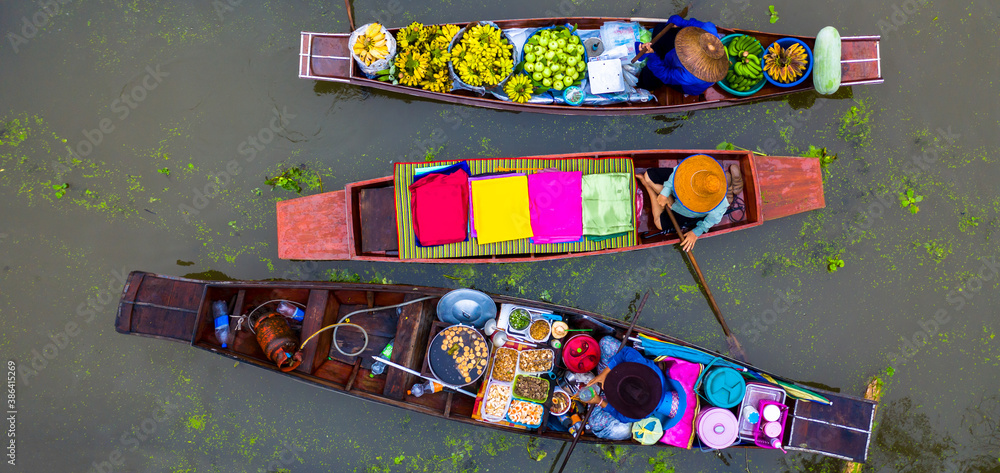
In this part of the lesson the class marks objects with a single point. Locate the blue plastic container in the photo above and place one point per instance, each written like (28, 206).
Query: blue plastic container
(786, 42)
(724, 387)
(722, 83)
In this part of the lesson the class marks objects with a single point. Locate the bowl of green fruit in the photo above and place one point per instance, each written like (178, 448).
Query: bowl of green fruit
(746, 76)
(554, 58)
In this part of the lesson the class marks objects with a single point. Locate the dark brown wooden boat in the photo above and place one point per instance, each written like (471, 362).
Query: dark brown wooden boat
(179, 309)
(359, 222)
(326, 57)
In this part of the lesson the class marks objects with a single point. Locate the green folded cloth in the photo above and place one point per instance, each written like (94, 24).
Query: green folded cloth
(607, 203)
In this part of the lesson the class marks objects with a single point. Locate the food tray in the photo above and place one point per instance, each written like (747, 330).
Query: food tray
(523, 368)
(518, 380)
(503, 320)
(506, 405)
(517, 405)
(508, 352)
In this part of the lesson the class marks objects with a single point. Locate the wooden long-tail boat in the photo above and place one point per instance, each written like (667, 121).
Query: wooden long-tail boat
(359, 222)
(180, 309)
(327, 57)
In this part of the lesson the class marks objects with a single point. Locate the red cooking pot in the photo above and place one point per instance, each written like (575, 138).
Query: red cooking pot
(581, 353)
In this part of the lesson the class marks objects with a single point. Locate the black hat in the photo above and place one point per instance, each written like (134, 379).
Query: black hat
(633, 389)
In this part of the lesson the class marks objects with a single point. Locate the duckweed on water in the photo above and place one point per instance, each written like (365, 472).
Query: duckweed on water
(294, 178)
(855, 124)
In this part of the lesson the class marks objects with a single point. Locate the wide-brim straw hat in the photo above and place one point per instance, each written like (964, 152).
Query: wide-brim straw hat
(702, 54)
(700, 183)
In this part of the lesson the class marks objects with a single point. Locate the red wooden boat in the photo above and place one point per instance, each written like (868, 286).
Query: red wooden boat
(326, 57)
(359, 222)
(179, 309)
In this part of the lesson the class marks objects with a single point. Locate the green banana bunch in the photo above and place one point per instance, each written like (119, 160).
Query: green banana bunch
(746, 71)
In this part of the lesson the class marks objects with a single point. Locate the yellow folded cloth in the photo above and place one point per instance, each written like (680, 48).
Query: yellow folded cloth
(500, 209)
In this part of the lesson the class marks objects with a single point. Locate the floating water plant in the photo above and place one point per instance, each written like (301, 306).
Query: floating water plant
(727, 146)
(833, 263)
(292, 179)
(774, 14)
(910, 199)
(60, 189)
(164, 171)
(821, 154)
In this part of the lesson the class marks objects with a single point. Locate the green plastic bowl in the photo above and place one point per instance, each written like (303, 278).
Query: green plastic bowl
(722, 83)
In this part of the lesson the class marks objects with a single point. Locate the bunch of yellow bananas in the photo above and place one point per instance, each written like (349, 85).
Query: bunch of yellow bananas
(483, 57)
(371, 46)
(519, 88)
(785, 64)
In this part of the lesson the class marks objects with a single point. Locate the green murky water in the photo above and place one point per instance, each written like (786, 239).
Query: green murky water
(156, 101)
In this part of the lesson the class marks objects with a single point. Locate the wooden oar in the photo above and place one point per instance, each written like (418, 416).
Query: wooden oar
(735, 349)
(662, 32)
(590, 411)
(350, 15)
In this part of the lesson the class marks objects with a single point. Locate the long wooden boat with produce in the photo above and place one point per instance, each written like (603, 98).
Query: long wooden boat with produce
(328, 57)
(372, 220)
(420, 324)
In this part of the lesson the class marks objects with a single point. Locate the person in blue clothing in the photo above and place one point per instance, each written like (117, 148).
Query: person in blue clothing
(690, 57)
(634, 388)
(696, 190)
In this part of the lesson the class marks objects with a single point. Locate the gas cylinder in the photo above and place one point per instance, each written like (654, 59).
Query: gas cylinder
(278, 341)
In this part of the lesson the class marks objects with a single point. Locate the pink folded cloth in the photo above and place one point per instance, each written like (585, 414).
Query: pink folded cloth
(556, 203)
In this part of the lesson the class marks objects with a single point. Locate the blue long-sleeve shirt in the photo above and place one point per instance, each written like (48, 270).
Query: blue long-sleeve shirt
(711, 218)
(669, 68)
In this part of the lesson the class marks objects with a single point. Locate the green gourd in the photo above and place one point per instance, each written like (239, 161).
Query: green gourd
(826, 70)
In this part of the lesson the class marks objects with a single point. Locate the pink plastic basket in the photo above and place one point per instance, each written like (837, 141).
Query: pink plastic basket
(759, 438)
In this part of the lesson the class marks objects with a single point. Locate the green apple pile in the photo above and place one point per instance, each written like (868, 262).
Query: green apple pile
(554, 58)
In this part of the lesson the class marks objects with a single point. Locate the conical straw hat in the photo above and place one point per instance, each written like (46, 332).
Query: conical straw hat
(700, 183)
(702, 54)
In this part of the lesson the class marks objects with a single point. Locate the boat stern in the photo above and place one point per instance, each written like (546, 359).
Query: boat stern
(789, 185)
(325, 56)
(314, 227)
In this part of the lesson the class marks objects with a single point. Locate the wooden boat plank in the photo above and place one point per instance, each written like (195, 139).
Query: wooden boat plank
(848, 412)
(313, 227)
(315, 319)
(408, 348)
(123, 320)
(819, 437)
(789, 185)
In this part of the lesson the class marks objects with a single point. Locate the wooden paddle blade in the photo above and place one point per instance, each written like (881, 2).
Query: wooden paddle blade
(735, 349)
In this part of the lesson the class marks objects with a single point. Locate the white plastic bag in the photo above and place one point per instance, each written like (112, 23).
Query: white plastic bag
(371, 70)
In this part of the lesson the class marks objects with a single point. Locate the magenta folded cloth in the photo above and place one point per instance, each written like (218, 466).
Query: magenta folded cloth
(556, 202)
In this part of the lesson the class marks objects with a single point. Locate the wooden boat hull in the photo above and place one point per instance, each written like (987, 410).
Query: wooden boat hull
(359, 223)
(326, 57)
(179, 309)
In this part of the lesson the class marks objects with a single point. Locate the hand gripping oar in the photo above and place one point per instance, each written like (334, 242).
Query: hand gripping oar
(662, 32)
(583, 425)
(735, 349)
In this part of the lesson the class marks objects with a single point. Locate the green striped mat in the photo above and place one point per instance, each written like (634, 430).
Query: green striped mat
(408, 248)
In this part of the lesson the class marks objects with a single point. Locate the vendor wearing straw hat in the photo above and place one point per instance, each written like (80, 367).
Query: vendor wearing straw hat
(635, 388)
(690, 58)
(695, 191)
